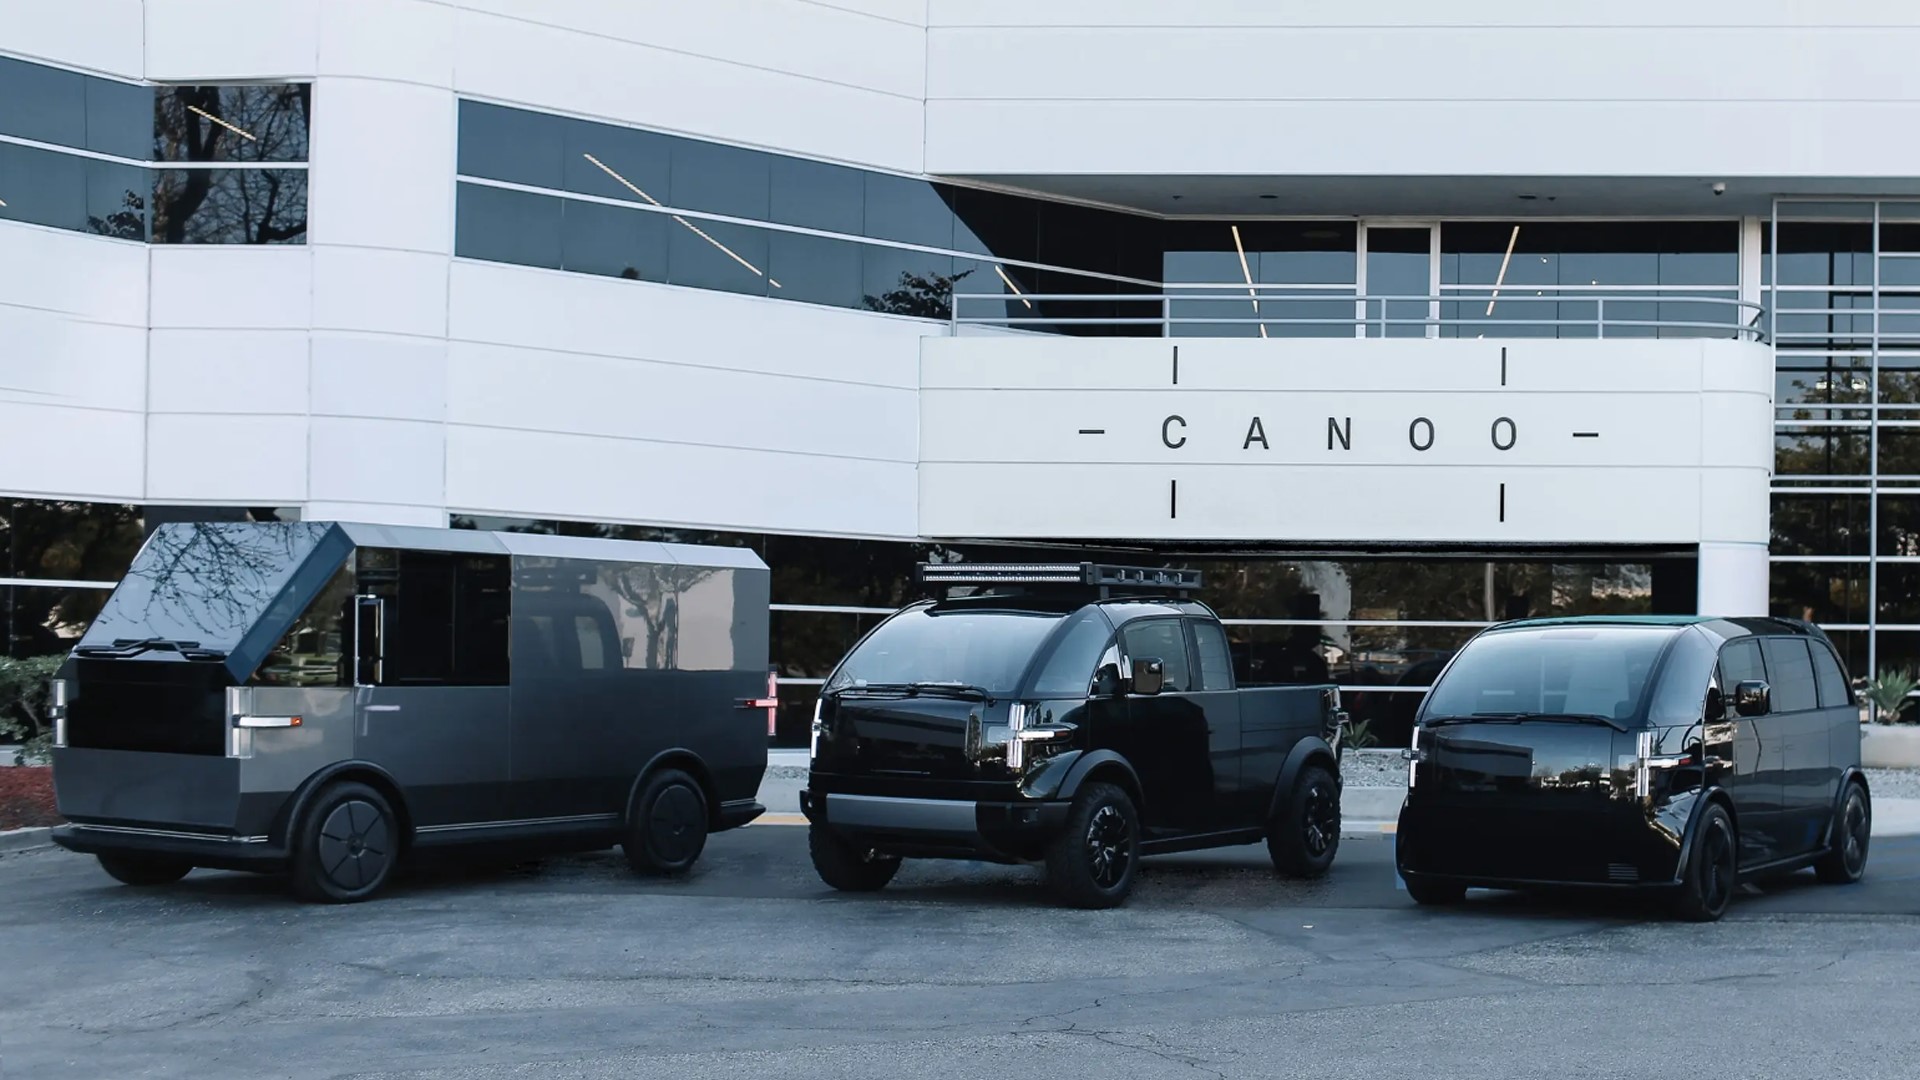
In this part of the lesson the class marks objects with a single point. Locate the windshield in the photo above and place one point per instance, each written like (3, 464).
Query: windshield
(206, 583)
(1583, 671)
(985, 649)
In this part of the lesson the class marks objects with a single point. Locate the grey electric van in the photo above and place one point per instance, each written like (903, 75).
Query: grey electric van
(324, 699)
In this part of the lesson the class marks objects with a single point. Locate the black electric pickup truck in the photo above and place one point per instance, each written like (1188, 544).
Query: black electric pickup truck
(1078, 716)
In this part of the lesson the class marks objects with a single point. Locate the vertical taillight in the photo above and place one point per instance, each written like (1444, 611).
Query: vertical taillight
(1412, 754)
(1643, 765)
(57, 710)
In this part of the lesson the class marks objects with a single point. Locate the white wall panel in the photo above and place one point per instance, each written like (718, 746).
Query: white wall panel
(102, 452)
(399, 40)
(248, 372)
(106, 36)
(504, 386)
(58, 360)
(543, 66)
(396, 462)
(556, 475)
(911, 12)
(87, 276)
(379, 376)
(512, 305)
(426, 517)
(232, 288)
(211, 40)
(234, 459)
(374, 189)
(395, 292)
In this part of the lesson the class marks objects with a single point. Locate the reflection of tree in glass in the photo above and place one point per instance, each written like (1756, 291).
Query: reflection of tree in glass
(652, 591)
(127, 223)
(210, 579)
(230, 206)
(927, 296)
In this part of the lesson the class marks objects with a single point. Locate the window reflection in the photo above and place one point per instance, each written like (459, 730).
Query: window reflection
(508, 226)
(229, 206)
(610, 240)
(232, 123)
(66, 108)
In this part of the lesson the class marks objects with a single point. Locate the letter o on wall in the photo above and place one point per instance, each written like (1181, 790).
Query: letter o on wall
(1166, 429)
(1512, 436)
(1414, 435)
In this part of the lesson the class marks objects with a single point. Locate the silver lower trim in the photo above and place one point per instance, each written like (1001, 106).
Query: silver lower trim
(581, 819)
(171, 834)
(945, 816)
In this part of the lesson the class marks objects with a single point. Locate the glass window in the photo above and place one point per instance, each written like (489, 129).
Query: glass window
(592, 644)
(43, 103)
(1822, 592)
(907, 210)
(598, 239)
(618, 162)
(1596, 671)
(719, 180)
(1740, 662)
(117, 200)
(990, 650)
(207, 582)
(989, 223)
(1830, 680)
(482, 602)
(1789, 674)
(1681, 697)
(232, 123)
(818, 196)
(41, 187)
(901, 282)
(314, 650)
(814, 269)
(523, 147)
(119, 118)
(40, 621)
(1068, 670)
(1162, 640)
(508, 226)
(718, 256)
(1216, 663)
(229, 206)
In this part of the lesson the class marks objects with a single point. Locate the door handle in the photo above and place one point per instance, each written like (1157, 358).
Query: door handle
(383, 708)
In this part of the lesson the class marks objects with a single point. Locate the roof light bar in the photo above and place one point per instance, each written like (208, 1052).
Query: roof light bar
(1087, 573)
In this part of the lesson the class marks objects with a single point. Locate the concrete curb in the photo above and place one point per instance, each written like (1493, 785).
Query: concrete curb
(16, 841)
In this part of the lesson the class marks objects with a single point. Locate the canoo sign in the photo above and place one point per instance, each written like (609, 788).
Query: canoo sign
(1347, 441)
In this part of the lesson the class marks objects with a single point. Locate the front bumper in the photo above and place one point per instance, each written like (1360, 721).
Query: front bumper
(257, 853)
(994, 831)
(1618, 846)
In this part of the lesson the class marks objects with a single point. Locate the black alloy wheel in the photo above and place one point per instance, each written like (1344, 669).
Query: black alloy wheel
(1846, 861)
(347, 845)
(1091, 863)
(668, 829)
(1713, 870)
(143, 870)
(1304, 836)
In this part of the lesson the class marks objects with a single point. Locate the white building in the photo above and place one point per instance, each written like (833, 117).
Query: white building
(794, 272)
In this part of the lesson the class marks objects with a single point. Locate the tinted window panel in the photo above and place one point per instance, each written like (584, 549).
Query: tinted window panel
(117, 200)
(902, 282)
(719, 180)
(43, 103)
(1216, 663)
(41, 187)
(1790, 674)
(613, 240)
(507, 226)
(716, 255)
(482, 600)
(818, 196)
(512, 144)
(315, 648)
(1162, 640)
(39, 621)
(230, 206)
(619, 163)
(1739, 662)
(231, 123)
(1068, 670)
(119, 118)
(1685, 676)
(814, 269)
(207, 582)
(1829, 679)
(419, 620)
(989, 223)
(910, 211)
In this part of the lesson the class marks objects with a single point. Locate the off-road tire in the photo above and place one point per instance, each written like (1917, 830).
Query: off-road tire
(346, 845)
(667, 828)
(1091, 863)
(1304, 835)
(143, 870)
(1712, 874)
(845, 867)
(1846, 860)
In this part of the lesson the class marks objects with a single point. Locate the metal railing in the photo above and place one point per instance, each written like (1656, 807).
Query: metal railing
(1241, 310)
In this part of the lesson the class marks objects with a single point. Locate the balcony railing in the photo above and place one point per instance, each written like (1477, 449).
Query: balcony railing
(1241, 310)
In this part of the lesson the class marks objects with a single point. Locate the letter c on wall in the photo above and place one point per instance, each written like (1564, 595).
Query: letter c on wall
(1166, 436)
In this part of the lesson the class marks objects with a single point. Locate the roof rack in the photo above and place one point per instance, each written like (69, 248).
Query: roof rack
(1103, 576)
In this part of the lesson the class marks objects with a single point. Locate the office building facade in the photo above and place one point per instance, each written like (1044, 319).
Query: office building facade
(1395, 321)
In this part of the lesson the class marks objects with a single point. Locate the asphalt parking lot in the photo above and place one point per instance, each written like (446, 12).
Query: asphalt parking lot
(749, 967)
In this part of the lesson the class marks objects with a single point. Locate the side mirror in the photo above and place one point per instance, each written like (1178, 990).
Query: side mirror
(1106, 681)
(1752, 698)
(1149, 676)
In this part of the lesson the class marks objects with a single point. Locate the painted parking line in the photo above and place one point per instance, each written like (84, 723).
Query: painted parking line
(779, 819)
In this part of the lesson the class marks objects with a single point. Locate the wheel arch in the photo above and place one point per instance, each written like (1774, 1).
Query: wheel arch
(1311, 750)
(1713, 796)
(1108, 767)
(1853, 774)
(685, 760)
(353, 771)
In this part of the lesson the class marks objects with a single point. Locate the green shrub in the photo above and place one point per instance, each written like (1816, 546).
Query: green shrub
(24, 694)
(1889, 694)
(1358, 735)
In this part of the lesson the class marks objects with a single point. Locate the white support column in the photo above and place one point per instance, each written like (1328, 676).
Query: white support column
(1733, 579)
(1752, 265)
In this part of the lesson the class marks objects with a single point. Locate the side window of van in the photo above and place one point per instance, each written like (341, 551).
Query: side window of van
(1790, 674)
(445, 618)
(1739, 662)
(1831, 680)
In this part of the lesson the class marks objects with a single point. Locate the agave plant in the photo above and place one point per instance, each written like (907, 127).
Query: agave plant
(1888, 693)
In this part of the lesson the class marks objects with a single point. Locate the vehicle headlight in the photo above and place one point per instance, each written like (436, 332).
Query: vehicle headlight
(815, 730)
